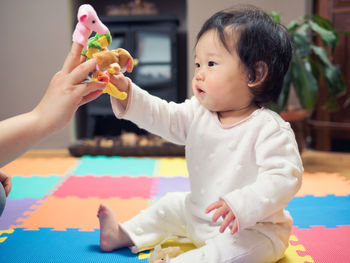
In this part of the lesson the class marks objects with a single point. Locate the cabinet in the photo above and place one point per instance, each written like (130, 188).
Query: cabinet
(331, 130)
(152, 41)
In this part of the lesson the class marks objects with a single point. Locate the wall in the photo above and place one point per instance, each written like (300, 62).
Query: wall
(36, 37)
(199, 10)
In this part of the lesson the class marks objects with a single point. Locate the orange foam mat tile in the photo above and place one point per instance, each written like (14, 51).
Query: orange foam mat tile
(322, 184)
(81, 213)
(40, 166)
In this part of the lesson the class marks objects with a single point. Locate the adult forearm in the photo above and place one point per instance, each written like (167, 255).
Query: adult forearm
(17, 134)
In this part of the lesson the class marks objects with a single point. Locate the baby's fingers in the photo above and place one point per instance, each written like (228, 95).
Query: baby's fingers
(213, 206)
(120, 81)
(227, 221)
(218, 213)
(234, 227)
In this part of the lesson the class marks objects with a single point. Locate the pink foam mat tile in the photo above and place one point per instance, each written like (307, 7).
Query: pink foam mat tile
(325, 245)
(105, 187)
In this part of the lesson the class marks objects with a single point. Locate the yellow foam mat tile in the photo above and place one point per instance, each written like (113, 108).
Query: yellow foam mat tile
(291, 255)
(9, 231)
(171, 167)
(170, 243)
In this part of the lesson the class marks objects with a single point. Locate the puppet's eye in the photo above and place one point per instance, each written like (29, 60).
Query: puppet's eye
(93, 21)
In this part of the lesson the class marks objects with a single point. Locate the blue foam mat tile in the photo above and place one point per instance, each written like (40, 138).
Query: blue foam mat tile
(114, 166)
(72, 245)
(329, 211)
(33, 187)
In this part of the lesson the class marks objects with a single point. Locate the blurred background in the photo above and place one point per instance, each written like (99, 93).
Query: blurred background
(36, 37)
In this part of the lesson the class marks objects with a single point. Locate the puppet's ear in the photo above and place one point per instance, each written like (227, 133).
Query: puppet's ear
(82, 17)
(261, 71)
(125, 59)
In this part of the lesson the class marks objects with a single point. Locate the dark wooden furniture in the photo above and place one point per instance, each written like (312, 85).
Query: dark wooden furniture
(152, 41)
(329, 129)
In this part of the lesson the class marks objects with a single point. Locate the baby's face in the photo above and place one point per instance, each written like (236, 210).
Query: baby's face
(220, 82)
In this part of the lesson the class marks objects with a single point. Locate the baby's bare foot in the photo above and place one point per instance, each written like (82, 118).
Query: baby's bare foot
(111, 235)
(159, 261)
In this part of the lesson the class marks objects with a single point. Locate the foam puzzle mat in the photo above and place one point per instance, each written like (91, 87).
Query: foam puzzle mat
(50, 215)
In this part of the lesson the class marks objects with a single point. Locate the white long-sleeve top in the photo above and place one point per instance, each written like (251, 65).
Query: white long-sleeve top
(254, 165)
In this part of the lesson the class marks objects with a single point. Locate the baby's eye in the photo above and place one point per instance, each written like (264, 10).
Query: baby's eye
(197, 65)
(211, 63)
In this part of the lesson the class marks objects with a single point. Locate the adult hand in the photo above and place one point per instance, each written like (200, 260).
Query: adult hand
(67, 91)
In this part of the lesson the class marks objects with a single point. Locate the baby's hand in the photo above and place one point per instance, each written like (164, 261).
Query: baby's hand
(120, 81)
(224, 211)
(123, 84)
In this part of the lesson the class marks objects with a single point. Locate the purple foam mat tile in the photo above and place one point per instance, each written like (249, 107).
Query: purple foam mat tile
(172, 184)
(14, 210)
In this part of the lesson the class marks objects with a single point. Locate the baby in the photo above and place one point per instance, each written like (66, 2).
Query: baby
(243, 162)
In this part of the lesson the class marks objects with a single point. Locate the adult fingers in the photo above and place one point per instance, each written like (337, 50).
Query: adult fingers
(90, 97)
(228, 219)
(82, 71)
(73, 58)
(82, 90)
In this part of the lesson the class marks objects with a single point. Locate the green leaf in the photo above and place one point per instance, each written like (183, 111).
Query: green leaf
(322, 22)
(304, 30)
(276, 17)
(328, 37)
(333, 78)
(302, 44)
(293, 25)
(304, 82)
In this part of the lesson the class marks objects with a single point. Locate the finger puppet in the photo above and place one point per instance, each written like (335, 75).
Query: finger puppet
(96, 44)
(88, 22)
(164, 253)
(110, 88)
(112, 61)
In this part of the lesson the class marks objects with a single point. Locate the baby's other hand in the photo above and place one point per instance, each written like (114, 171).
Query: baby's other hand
(5, 180)
(224, 211)
(120, 81)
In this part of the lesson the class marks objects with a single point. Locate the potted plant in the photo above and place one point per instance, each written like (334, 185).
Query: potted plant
(310, 65)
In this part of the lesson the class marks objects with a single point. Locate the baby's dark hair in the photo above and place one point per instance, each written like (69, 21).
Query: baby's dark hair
(259, 39)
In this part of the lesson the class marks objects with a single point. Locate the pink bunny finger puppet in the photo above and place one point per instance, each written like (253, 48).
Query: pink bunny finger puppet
(88, 21)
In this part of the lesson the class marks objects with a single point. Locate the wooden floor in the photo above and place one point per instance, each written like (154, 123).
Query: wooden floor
(330, 162)
(314, 161)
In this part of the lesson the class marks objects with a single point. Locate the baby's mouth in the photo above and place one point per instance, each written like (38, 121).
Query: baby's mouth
(200, 91)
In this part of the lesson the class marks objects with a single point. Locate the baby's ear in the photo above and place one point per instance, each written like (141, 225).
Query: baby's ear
(261, 70)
